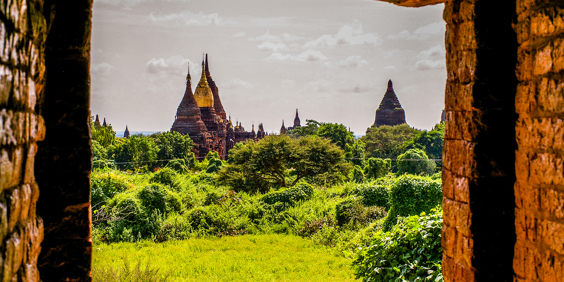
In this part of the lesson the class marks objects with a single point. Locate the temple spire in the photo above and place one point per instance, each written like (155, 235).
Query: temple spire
(283, 128)
(188, 77)
(104, 124)
(297, 120)
(390, 86)
(203, 81)
(126, 132)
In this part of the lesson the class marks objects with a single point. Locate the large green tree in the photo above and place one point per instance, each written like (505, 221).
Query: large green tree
(134, 152)
(310, 128)
(386, 141)
(337, 133)
(173, 145)
(429, 141)
(280, 161)
(415, 161)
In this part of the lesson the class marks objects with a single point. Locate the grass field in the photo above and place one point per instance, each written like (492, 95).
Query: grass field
(243, 258)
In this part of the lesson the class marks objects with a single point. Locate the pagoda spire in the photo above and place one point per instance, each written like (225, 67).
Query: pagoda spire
(188, 77)
(216, 100)
(126, 132)
(283, 128)
(390, 111)
(97, 121)
(104, 124)
(297, 120)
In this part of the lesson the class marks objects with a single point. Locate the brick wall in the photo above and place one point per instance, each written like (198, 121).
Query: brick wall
(63, 160)
(478, 171)
(22, 70)
(539, 190)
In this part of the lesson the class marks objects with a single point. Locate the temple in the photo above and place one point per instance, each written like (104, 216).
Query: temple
(390, 111)
(202, 117)
(296, 122)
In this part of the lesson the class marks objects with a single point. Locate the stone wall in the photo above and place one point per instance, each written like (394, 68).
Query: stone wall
(22, 38)
(63, 160)
(478, 172)
(539, 190)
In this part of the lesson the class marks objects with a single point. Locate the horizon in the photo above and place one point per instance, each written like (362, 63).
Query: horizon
(267, 59)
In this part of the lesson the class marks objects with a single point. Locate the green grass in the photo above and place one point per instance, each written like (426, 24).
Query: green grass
(243, 258)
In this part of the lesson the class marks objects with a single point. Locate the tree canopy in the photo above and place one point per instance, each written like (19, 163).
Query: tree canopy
(386, 141)
(429, 141)
(281, 161)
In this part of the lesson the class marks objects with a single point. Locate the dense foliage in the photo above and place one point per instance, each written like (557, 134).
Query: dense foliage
(411, 251)
(387, 141)
(415, 161)
(412, 195)
(280, 161)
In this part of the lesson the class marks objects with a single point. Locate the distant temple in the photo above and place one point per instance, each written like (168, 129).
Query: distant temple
(126, 132)
(296, 122)
(390, 111)
(202, 117)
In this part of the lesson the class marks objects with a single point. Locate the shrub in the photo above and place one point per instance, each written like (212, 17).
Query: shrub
(412, 195)
(311, 227)
(411, 251)
(358, 175)
(415, 161)
(374, 195)
(214, 165)
(175, 227)
(290, 196)
(377, 168)
(126, 274)
(351, 211)
(153, 197)
(105, 185)
(173, 202)
(178, 165)
(166, 176)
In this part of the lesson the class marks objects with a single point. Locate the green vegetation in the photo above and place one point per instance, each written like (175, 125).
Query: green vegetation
(270, 193)
(243, 258)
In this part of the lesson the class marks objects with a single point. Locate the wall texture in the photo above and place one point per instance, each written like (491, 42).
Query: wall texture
(22, 38)
(63, 160)
(539, 190)
(478, 172)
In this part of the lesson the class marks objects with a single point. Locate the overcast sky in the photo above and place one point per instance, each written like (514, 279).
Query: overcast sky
(331, 59)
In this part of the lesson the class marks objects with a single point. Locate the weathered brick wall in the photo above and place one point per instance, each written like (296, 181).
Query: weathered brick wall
(63, 160)
(478, 172)
(539, 190)
(22, 38)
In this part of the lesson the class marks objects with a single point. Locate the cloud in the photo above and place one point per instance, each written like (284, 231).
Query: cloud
(309, 55)
(189, 18)
(284, 37)
(357, 89)
(174, 65)
(390, 68)
(238, 83)
(422, 33)
(287, 83)
(271, 46)
(101, 69)
(350, 34)
(349, 62)
(430, 65)
(434, 52)
(434, 28)
(319, 85)
(239, 34)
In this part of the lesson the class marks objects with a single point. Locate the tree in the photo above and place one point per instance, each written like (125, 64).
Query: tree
(429, 141)
(337, 133)
(269, 162)
(310, 128)
(135, 151)
(415, 161)
(386, 141)
(355, 153)
(173, 145)
(104, 135)
(377, 168)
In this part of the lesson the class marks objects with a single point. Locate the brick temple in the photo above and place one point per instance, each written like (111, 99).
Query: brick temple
(202, 117)
(390, 111)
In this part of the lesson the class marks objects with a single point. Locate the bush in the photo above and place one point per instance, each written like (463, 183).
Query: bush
(178, 165)
(351, 211)
(411, 251)
(167, 176)
(153, 197)
(412, 195)
(415, 161)
(290, 196)
(377, 168)
(311, 227)
(175, 227)
(105, 185)
(358, 175)
(374, 195)
(214, 165)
